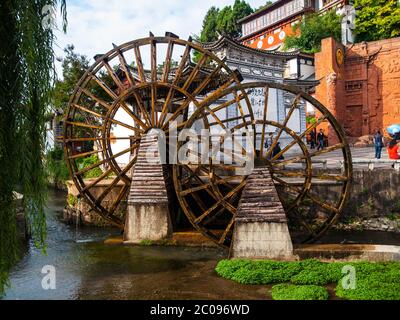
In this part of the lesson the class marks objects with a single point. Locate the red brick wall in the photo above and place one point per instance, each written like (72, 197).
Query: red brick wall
(366, 95)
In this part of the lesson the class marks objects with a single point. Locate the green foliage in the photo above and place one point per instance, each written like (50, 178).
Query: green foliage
(26, 77)
(224, 21)
(311, 119)
(258, 272)
(292, 292)
(56, 166)
(72, 200)
(146, 242)
(74, 66)
(396, 207)
(373, 280)
(208, 32)
(173, 64)
(87, 162)
(267, 4)
(319, 273)
(377, 19)
(313, 28)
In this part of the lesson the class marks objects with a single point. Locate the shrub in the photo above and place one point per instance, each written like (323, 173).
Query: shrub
(87, 162)
(293, 292)
(72, 200)
(56, 166)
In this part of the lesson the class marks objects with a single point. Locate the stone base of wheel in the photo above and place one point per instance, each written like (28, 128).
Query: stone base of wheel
(261, 229)
(148, 216)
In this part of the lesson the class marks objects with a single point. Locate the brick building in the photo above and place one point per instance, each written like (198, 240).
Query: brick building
(360, 84)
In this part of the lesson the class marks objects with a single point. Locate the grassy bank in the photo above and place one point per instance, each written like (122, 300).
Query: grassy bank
(307, 279)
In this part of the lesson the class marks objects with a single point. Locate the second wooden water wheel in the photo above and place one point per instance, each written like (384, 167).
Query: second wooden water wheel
(244, 126)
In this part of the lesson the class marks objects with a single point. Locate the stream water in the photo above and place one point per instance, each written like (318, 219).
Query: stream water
(86, 268)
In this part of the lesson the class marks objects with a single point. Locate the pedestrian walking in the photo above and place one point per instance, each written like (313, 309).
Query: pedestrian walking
(312, 139)
(321, 140)
(378, 142)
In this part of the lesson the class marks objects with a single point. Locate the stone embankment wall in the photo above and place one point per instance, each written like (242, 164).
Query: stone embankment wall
(374, 202)
(78, 211)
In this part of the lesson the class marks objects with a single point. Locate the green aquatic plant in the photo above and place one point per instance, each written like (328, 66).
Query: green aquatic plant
(294, 292)
(146, 242)
(300, 279)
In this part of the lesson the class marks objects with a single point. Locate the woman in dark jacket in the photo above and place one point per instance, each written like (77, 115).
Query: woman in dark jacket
(378, 142)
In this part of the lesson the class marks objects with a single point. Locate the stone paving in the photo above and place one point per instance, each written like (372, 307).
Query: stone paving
(358, 154)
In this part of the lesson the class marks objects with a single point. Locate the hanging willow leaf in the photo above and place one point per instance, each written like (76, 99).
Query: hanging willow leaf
(27, 75)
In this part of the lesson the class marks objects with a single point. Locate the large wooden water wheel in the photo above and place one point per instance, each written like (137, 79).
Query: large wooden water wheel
(144, 84)
(312, 194)
(154, 83)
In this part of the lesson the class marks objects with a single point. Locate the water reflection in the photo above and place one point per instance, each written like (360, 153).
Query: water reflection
(88, 269)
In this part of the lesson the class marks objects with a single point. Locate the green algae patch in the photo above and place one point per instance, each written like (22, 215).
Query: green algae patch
(354, 280)
(287, 291)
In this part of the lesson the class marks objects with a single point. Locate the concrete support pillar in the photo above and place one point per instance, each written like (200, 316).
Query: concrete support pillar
(148, 216)
(261, 230)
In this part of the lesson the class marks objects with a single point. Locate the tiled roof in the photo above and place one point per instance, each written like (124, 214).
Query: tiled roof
(224, 40)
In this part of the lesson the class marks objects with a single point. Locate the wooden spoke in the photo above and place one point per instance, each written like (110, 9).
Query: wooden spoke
(68, 140)
(194, 72)
(322, 203)
(84, 125)
(223, 209)
(84, 109)
(219, 202)
(123, 124)
(105, 87)
(125, 67)
(285, 122)
(97, 164)
(311, 155)
(171, 92)
(113, 76)
(98, 100)
(120, 176)
(153, 59)
(177, 113)
(139, 64)
(214, 96)
(290, 145)
(195, 189)
(301, 174)
(167, 63)
(229, 120)
(97, 180)
(286, 184)
(227, 103)
(228, 228)
(265, 111)
(133, 116)
(121, 195)
(142, 109)
(207, 80)
(85, 154)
